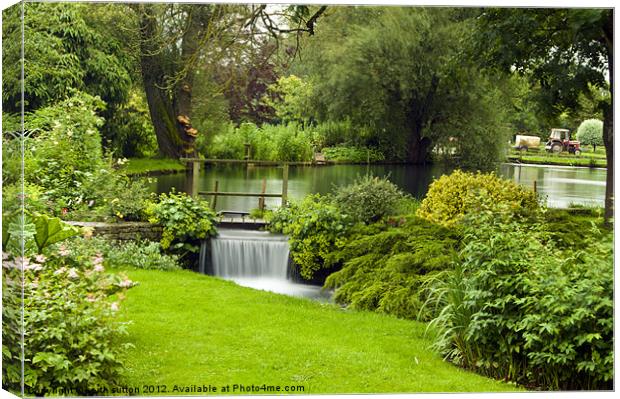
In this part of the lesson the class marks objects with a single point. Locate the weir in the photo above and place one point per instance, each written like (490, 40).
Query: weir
(255, 259)
(247, 253)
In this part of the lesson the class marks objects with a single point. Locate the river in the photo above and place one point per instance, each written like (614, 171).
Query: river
(561, 186)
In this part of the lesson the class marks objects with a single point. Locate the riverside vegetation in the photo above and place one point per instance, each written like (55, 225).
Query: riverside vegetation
(478, 272)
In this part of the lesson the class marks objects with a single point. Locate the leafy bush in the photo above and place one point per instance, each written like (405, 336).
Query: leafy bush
(352, 154)
(339, 133)
(514, 309)
(368, 199)
(114, 196)
(453, 196)
(315, 227)
(67, 149)
(386, 264)
(185, 220)
(71, 338)
(138, 254)
(590, 132)
(268, 143)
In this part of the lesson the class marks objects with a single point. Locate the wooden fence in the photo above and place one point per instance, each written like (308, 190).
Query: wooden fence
(194, 171)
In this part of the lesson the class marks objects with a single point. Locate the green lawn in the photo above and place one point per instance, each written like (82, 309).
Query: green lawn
(190, 329)
(144, 166)
(586, 158)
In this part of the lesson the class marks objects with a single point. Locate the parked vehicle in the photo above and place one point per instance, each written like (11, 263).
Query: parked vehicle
(525, 143)
(559, 141)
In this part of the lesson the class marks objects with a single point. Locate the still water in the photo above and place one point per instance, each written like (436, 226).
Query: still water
(561, 186)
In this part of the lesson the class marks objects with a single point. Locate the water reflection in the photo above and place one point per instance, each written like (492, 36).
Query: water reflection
(561, 186)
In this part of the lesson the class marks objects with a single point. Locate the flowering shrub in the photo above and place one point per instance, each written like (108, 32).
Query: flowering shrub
(71, 340)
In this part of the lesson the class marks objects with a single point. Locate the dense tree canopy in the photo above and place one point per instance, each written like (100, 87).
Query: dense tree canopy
(568, 51)
(62, 52)
(401, 72)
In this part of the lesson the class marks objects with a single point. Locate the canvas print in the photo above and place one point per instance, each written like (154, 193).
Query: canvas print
(213, 199)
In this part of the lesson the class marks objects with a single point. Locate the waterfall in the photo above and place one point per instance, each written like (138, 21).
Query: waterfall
(247, 254)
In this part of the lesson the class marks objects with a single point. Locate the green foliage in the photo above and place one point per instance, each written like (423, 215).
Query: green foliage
(590, 132)
(315, 228)
(386, 265)
(451, 197)
(133, 134)
(368, 199)
(333, 133)
(63, 52)
(127, 254)
(50, 230)
(290, 97)
(516, 308)
(185, 220)
(115, 197)
(352, 154)
(404, 79)
(268, 143)
(66, 152)
(71, 338)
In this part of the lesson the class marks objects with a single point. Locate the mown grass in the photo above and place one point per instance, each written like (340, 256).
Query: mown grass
(145, 166)
(194, 329)
(586, 158)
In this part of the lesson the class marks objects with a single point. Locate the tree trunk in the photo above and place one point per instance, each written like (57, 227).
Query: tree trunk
(417, 117)
(169, 108)
(418, 148)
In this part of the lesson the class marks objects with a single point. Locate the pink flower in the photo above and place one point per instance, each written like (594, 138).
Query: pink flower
(98, 259)
(33, 266)
(91, 298)
(63, 251)
(5, 255)
(114, 306)
(60, 270)
(40, 258)
(98, 268)
(126, 283)
(72, 273)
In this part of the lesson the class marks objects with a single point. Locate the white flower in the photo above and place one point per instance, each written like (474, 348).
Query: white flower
(98, 268)
(126, 283)
(72, 273)
(60, 270)
(40, 258)
(114, 306)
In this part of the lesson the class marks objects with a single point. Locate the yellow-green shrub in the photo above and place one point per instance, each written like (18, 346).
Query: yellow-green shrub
(452, 196)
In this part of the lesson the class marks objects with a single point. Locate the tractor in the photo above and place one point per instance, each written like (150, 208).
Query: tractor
(559, 141)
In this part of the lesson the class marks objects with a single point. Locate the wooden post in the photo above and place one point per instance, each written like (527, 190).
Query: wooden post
(214, 199)
(535, 188)
(261, 200)
(247, 151)
(194, 178)
(284, 183)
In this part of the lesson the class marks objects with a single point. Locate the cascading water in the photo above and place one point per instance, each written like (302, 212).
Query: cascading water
(246, 254)
(255, 259)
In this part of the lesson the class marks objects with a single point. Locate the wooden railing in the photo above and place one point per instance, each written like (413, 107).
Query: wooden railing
(194, 171)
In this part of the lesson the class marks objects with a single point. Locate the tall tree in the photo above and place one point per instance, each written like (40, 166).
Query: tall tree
(568, 51)
(175, 39)
(399, 71)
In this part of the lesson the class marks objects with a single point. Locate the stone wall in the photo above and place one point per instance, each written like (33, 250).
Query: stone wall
(123, 230)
